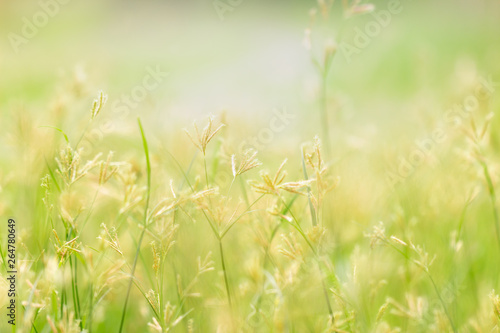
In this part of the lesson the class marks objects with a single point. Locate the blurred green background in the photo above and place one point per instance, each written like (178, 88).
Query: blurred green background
(251, 62)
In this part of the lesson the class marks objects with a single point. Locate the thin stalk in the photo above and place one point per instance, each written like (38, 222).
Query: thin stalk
(491, 190)
(74, 290)
(77, 292)
(328, 305)
(64, 297)
(243, 190)
(239, 217)
(90, 209)
(215, 160)
(226, 282)
(145, 222)
(28, 307)
(309, 194)
(324, 110)
(206, 172)
(4, 261)
(299, 229)
(442, 301)
(91, 306)
(217, 234)
(267, 254)
(83, 134)
(160, 283)
(129, 288)
(229, 191)
(178, 283)
(214, 229)
(433, 284)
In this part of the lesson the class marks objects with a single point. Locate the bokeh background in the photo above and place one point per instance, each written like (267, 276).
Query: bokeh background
(242, 67)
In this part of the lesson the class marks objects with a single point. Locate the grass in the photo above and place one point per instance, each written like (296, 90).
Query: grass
(144, 225)
(311, 233)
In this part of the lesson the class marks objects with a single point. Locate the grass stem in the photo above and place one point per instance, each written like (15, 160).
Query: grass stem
(226, 282)
(145, 222)
(493, 197)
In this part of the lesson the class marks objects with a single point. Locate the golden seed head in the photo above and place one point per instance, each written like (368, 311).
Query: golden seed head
(359, 9)
(424, 260)
(274, 210)
(107, 168)
(110, 238)
(156, 257)
(98, 104)
(382, 311)
(248, 162)
(377, 235)
(274, 185)
(45, 182)
(202, 139)
(69, 165)
(154, 300)
(205, 265)
(66, 249)
(397, 240)
(495, 299)
(316, 234)
(291, 249)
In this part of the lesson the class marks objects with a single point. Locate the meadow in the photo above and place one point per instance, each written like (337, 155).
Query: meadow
(237, 166)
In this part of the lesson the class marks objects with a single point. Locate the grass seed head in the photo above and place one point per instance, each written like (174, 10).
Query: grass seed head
(316, 234)
(69, 165)
(98, 104)
(274, 185)
(65, 249)
(132, 193)
(248, 162)
(495, 299)
(202, 139)
(154, 300)
(424, 260)
(291, 248)
(377, 235)
(325, 183)
(275, 211)
(110, 238)
(107, 169)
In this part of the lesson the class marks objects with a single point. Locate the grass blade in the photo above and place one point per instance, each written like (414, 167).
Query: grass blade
(148, 192)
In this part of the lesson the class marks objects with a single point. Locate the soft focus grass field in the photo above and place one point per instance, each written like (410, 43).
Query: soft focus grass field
(315, 192)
